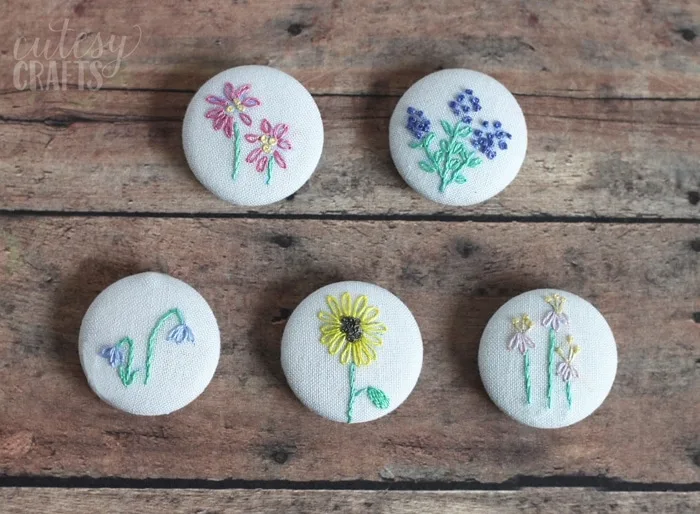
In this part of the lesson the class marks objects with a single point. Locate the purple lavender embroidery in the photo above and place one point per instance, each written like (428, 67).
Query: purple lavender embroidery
(488, 137)
(521, 341)
(417, 123)
(465, 105)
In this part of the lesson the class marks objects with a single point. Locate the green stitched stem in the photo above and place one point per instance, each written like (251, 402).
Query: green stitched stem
(569, 394)
(269, 171)
(550, 374)
(528, 384)
(351, 400)
(236, 150)
(448, 156)
(125, 373)
(154, 337)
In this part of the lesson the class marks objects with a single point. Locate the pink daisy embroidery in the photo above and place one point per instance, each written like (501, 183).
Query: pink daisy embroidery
(233, 105)
(271, 141)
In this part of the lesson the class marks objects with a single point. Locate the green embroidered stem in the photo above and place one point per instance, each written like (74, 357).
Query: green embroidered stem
(236, 150)
(154, 337)
(269, 171)
(451, 157)
(569, 394)
(528, 384)
(125, 373)
(551, 362)
(351, 400)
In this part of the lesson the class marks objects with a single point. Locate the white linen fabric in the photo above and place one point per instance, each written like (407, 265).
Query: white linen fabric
(432, 95)
(211, 154)
(319, 379)
(131, 307)
(502, 369)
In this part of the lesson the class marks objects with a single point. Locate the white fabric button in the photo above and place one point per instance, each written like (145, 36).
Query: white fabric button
(149, 344)
(458, 137)
(352, 352)
(547, 358)
(252, 135)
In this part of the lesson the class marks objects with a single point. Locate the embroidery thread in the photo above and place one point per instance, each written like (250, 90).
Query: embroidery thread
(452, 155)
(121, 355)
(233, 105)
(267, 154)
(565, 369)
(522, 342)
(554, 320)
(353, 330)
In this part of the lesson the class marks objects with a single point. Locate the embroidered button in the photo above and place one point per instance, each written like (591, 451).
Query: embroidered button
(352, 352)
(458, 137)
(252, 135)
(149, 344)
(547, 358)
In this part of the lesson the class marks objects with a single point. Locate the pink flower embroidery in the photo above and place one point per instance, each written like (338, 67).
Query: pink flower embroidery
(566, 369)
(556, 318)
(521, 340)
(235, 102)
(271, 141)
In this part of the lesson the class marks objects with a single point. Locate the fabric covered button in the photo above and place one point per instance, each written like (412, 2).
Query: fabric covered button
(352, 352)
(458, 137)
(149, 344)
(547, 358)
(252, 135)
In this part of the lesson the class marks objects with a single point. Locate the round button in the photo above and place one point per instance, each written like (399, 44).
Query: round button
(149, 344)
(252, 135)
(547, 358)
(458, 137)
(352, 352)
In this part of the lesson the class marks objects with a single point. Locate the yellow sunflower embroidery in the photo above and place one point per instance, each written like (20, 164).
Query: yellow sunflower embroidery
(352, 329)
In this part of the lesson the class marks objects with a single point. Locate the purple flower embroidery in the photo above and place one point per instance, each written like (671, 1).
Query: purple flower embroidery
(521, 340)
(556, 318)
(180, 334)
(234, 103)
(114, 354)
(566, 369)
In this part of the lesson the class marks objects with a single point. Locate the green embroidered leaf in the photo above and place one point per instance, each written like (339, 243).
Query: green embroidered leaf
(415, 144)
(453, 164)
(443, 145)
(464, 131)
(474, 162)
(426, 166)
(428, 140)
(461, 179)
(459, 147)
(378, 398)
(446, 127)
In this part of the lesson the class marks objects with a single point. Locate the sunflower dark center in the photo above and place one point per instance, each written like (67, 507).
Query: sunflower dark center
(352, 328)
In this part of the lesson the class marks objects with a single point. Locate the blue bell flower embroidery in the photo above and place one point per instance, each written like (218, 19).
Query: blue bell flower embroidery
(180, 334)
(114, 354)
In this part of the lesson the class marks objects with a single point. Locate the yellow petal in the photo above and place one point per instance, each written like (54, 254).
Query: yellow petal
(346, 304)
(560, 352)
(372, 339)
(330, 327)
(360, 306)
(374, 328)
(334, 306)
(328, 339)
(336, 345)
(370, 315)
(368, 352)
(345, 356)
(327, 317)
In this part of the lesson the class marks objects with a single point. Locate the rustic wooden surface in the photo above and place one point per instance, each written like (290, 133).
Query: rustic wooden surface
(607, 205)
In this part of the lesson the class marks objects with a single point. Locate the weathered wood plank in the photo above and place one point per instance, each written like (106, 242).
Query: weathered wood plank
(248, 425)
(118, 501)
(614, 158)
(589, 49)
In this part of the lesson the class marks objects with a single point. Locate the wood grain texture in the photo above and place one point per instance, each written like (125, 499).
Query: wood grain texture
(116, 151)
(248, 425)
(590, 49)
(118, 501)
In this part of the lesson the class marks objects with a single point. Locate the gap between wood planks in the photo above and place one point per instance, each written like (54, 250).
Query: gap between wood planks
(513, 484)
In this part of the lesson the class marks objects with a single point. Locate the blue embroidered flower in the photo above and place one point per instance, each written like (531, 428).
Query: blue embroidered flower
(418, 124)
(180, 334)
(464, 105)
(488, 137)
(114, 354)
